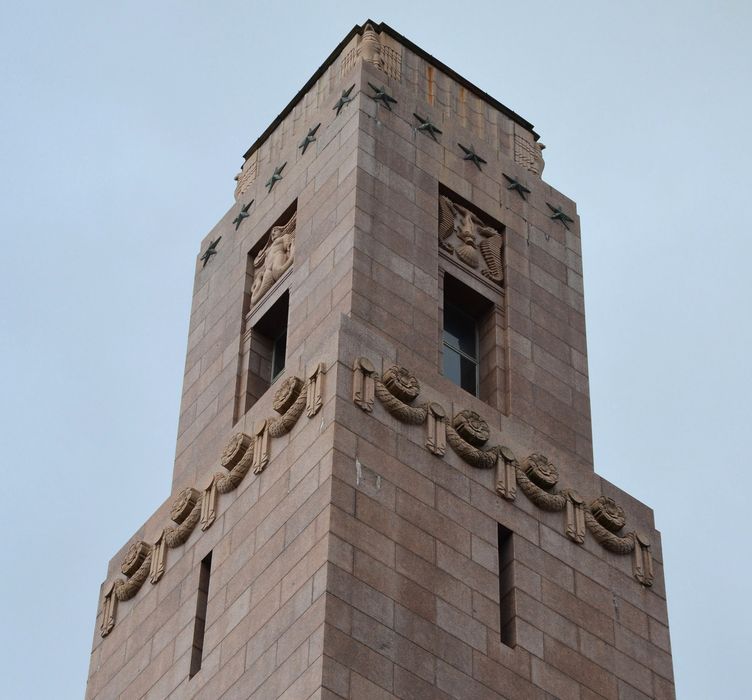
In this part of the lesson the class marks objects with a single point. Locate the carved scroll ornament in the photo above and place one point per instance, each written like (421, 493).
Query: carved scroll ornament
(191, 507)
(536, 476)
(274, 259)
(466, 236)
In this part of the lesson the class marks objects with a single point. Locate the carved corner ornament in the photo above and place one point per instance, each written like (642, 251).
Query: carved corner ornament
(158, 558)
(372, 50)
(209, 504)
(536, 476)
(274, 259)
(289, 401)
(643, 560)
(464, 235)
(135, 566)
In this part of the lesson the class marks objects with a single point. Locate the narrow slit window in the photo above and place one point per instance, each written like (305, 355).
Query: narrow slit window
(197, 653)
(506, 587)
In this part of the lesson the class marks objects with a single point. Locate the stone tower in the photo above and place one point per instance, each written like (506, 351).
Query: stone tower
(384, 483)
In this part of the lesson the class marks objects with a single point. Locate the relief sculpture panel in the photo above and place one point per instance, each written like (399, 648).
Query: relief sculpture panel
(274, 259)
(464, 235)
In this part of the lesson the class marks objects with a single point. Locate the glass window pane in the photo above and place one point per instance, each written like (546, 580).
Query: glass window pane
(459, 331)
(469, 374)
(452, 365)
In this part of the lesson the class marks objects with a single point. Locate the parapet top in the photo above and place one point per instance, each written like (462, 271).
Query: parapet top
(381, 27)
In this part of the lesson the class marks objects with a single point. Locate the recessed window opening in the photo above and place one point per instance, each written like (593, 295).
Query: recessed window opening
(506, 587)
(199, 627)
(263, 357)
(467, 318)
(279, 348)
(460, 348)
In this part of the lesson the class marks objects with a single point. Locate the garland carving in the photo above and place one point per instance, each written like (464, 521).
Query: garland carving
(191, 507)
(397, 388)
(536, 476)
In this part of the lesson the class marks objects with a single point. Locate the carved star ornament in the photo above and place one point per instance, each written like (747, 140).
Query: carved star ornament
(381, 95)
(472, 156)
(276, 176)
(344, 99)
(516, 185)
(559, 215)
(310, 137)
(242, 214)
(211, 250)
(427, 127)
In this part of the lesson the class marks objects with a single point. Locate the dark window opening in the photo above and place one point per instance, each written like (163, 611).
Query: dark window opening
(506, 587)
(197, 652)
(468, 319)
(262, 359)
(460, 348)
(279, 348)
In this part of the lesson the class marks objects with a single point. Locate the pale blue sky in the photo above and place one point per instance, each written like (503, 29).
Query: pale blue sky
(121, 127)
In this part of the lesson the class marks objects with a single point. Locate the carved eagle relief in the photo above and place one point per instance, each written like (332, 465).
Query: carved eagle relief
(473, 239)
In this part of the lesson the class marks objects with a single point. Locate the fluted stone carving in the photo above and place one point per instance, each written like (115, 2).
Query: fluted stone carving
(529, 153)
(506, 475)
(436, 438)
(363, 385)
(575, 517)
(372, 50)
(314, 390)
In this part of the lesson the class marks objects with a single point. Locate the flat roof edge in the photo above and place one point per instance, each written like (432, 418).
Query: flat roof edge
(383, 27)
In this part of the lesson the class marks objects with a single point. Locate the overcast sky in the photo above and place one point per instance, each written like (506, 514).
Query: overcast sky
(121, 127)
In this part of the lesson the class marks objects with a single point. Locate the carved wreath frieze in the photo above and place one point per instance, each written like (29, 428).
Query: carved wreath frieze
(242, 454)
(464, 235)
(472, 428)
(536, 476)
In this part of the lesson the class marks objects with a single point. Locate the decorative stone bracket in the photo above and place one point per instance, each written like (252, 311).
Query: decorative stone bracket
(243, 453)
(536, 476)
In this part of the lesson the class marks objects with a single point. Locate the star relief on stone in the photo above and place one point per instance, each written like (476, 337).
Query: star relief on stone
(559, 215)
(276, 176)
(381, 95)
(344, 99)
(427, 127)
(242, 214)
(310, 137)
(472, 156)
(211, 250)
(516, 185)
